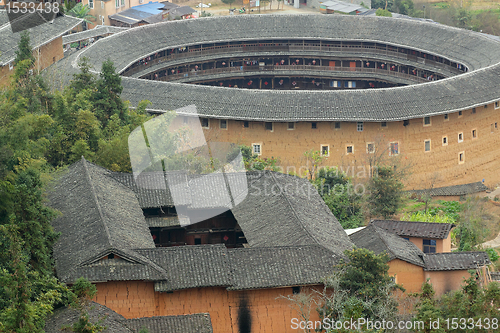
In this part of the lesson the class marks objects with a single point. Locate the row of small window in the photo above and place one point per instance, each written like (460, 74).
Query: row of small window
(270, 126)
(427, 120)
(427, 143)
(370, 149)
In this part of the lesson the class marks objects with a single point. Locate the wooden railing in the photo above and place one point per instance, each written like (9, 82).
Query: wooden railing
(231, 49)
(273, 68)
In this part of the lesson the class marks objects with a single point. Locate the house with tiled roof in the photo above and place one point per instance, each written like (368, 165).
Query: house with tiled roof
(427, 236)
(45, 37)
(290, 243)
(411, 266)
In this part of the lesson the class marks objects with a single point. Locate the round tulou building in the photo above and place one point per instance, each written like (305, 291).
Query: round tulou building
(349, 87)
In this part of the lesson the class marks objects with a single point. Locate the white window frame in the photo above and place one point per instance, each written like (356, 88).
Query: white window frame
(272, 126)
(461, 134)
(11, 66)
(91, 4)
(102, 20)
(327, 150)
(461, 161)
(359, 126)
(254, 151)
(446, 117)
(425, 143)
(442, 140)
(221, 121)
(460, 114)
(117, 3)
(208, 123)
(390, 148)
(102, 4)
(347, 149)
(430, 121)
(122, 3)
(292, 126)
(472, 133)
(368, 148)
(497, 104)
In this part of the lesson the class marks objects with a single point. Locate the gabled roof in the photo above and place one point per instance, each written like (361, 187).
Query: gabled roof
(285, 266)
(378, 240)
(100, 216)
(464, 189)
(451, 261)
(283, 210)
(415, 229)
(39, 35)
(115, 323)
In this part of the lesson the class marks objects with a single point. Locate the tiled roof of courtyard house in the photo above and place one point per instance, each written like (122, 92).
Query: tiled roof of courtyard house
(272, 209)
(379, 241)
(454, 190)
(39, 35)
(99, 216)
(284, 266)
(460, 92)
(115, 323)
(415, 229)
(105, 237)
(451, 261)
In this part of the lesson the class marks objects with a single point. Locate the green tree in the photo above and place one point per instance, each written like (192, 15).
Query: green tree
(362, 288)
(385, 192)
(383, 12)
(33, 218)
(339, 194)
(107, 101)
(24, 50)
(471, 227)
(384, 4)
(463, 18)
(82, 11)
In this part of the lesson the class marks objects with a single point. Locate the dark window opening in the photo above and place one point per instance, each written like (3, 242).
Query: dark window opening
(268, 126)
(429, 245)
(246, 124)
(314, 125)
(111, 256)
(204, 122)
(296, 290)
(337, 125)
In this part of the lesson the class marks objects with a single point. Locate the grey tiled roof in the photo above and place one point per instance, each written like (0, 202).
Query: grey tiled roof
(180, 11)
(39, 35)
(115, 323)
(191, 266)
(415, 229)
(283, 210)
(277, 210)
(67, 316)
(455, 261)
(99, 30)
(167, 221)
(460, 92)
(378, 240)
(281, 266)
(190, 323)
(463, 189)
(99, 216)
